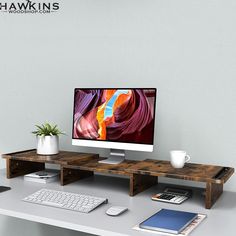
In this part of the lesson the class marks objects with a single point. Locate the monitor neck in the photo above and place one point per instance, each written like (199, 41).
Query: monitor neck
(116, 157)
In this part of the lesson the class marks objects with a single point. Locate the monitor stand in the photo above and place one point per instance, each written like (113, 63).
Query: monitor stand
(116, 157)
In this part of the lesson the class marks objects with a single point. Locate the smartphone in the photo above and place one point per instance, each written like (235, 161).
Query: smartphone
(4, 188)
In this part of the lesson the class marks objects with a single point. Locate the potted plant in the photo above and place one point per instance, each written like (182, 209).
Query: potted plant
(47, 139)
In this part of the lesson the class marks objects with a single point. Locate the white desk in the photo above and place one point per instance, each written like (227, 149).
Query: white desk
(220, 221)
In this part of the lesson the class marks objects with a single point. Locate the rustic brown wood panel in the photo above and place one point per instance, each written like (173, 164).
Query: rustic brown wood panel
(71, 175)
(142, 174)
(63, 157)
(191, 171)
(222, 176)
(94, 165)
(16, 153)
(17, 168)
(213, 192)
(139, 183)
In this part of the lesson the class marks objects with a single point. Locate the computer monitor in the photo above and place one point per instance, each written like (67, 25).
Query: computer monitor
(116, 118)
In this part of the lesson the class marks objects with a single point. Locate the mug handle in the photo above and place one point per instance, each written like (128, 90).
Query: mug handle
(187, 158)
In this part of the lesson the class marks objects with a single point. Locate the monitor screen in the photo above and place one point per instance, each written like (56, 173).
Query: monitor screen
(114, 115)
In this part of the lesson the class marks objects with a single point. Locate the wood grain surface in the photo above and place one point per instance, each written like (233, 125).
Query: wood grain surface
(62, 158)
(191, 171)
(94, 165)
(142, 174)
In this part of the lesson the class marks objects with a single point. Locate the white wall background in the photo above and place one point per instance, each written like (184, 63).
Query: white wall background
(187, 49)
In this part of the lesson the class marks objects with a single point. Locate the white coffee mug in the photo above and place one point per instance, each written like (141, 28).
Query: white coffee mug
(178, 158)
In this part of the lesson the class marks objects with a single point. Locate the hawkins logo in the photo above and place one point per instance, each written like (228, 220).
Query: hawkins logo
(29, 7)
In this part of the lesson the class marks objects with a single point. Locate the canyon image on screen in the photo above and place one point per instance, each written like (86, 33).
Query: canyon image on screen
(117, 115)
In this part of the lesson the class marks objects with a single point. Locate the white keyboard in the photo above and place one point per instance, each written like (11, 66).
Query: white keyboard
(65, 200)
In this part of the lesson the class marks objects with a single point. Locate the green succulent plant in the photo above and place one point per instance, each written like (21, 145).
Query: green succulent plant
(47, 129)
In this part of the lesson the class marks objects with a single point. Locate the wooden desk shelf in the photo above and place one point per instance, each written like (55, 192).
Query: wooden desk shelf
(138, 183)
(142, 174)
(213, 176)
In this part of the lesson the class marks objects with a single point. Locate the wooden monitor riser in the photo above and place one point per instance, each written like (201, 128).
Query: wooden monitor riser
(142, 174)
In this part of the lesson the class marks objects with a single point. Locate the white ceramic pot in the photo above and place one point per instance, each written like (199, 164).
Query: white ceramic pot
(47, 145)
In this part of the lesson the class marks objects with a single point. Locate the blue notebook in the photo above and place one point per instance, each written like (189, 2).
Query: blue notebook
(168, 221)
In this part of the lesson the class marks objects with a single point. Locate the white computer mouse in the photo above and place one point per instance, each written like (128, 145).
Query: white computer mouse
(116, 210)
